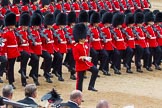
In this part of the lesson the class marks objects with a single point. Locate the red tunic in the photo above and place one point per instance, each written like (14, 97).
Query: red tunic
(109, 5)
(70, 33)
(123, 3)
(15, 10)
(130, 41)
(58, 6)
(116, 6)
(145, 5)
(137, 4)
(67, 7)
(93, 6)
(101, 5)
(130, 5)
(84, 6)
(159, 38)
(24, 8)
(76, 8)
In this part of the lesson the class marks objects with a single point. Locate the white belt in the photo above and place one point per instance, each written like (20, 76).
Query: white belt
(52, 41)
(77, 10)
(17, 14)
(108, 39)
(153, 38)
(25, 44)
(96, 39)
(141, 38)
(132, 7)
(131, 39)
(67, 11)
(87, 10)
(63, 42)
(120, 40)
(39, 43)
(12, 46)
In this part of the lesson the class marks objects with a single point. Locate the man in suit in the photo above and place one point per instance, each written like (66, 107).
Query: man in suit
(30, 95)
(7, 92)
(102, 104)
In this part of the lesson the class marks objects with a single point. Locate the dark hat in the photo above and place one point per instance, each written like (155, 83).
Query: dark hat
(36, 20)
(101, 12)
(155, 12)
(25, 2)
(90, 13)
(107, 18)
(138, 10)
(16, 1)
(45, 2)
(4, 2)
(118, 19)
(40, 13)
(71, 17)
(146, 11)
(158, 17)
(49, 19)
(10, 19)
(33, 1)
(149, 17)
(24, 19)
(127, 11)
(138, 18)
(95, 18)
(61, 19)
(83, 16)
(56, 12)
(1, 23)
(129, 19)
(79, 32)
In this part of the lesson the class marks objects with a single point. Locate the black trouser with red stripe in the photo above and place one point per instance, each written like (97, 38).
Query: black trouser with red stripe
(80, 77)
(11, 63)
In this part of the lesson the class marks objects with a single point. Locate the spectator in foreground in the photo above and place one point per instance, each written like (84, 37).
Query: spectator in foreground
(102, 104)
(7, 92)
(30, 95)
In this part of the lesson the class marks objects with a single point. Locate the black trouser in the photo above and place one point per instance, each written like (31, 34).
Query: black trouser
(156, 52)
(3, 64)
(146, 57)
(57, 63)
(11, 63)
(99, 55)
(34, 63)
(47, 63)
(80, 77)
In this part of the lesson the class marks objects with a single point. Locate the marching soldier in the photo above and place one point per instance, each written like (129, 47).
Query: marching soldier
(58, 5)
(61, 44)
(137, 4)
(108, 5)
(92, 5)
(115, 5)
(82, 58)
(51, 6)
(66, 6)
(69, 60)
(84, 5)
(34, 5)
(45, 6)
(75, 7)
(123, 5)
(130, 5)
(145, 4)
(100, 5)
(12, 46)
(25, 6)
(4, 8)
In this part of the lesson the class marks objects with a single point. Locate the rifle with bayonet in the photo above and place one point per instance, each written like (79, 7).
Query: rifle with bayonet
(102, 35)
(157, 31)
(56, 35)
(136, 33)
(31, 37)
(44, 35)
(126, 33)
(147, 33)
(17, 33)
(67, 35)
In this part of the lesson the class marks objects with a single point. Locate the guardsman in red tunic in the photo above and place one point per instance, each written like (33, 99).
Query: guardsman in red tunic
(69, 60)
(51, 6)
(101, 5)
(125, 51)
(130, 5)
(92, 5)
(26, 6)
(58, 5)
(35, 45)
(61, 44)
(12, 46)
(3, 58)
(66, 6)
(84, 5)
(108, 6)
(75, 7)
(113, 53)
(137, 4)
(123, 5)
(45, 6)
(82, 59)
(4, 7)
(97, 51)
(141, 45)
(129, 36)
(151, 38)
(35, 5)
(115, 5)
(158, 31)
(145, 4)
(23, 44)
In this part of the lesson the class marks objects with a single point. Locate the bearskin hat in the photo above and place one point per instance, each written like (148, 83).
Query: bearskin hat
(24, 19)
(138, 18)
(40, 13)
(127, 11)
(107, 18)
(4, 2)
(101, 12)
(95, 18)
(149, 17)
(138, 10)
(16, 1)
(56, 13)
(71, 17)
(36, 20)
(33, 1)
(158, 17)
(146, 11)
(10, 19)
(45, 2)
(49, 19)
(129, 19)
(83, 16)
(155, 12)
(25, 2)
(90, 13)
(118, 19)
(61, 19)
(79, 31)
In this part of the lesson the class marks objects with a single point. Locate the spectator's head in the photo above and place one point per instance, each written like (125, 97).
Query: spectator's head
(76, 96)
(102, 104)
(7, 91)
(31, 90)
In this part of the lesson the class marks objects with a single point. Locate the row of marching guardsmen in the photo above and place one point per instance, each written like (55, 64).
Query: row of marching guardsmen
(18, 6)
(112, 37)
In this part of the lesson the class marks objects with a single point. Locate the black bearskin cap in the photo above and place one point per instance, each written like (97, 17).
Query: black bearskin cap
(95, 18)
(56, 13)
(138, 10)
(71, 17)
(158, 17)
(4, 2)
(33, 1)
(83, 16)
(45, 2)
(79, 31)
(49, 19)
(107, 18)
(10, 19)
(139, 18)
(118, 19)
(24, 19)
(146, 11)
(155, 12)
(25, 2)
(149, 17)
(16, 1)
(36, 20)
(127, 11)
(129, 19)
(90, 13)
(101, 12)
(61, 19)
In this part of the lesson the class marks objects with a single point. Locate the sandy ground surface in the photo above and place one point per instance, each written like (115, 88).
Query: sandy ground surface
(143, 90)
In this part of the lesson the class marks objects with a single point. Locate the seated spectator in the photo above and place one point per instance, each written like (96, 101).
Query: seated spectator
(102, 104)
(7, 92)
(75, 100)
(30, 95)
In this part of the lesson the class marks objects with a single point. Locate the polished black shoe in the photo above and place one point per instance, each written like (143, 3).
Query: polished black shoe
(36, 82)
(129, 71)
(60, 79)
(22, 74)
(117, 72)
(34, 77)
(158, 68)
(106, 73)
(55, 73)
(149, 69)
(73, 77)
(13, 86)
(126, 65)
(139, 70)
(49, 80)
(1, 81)
(92, 89)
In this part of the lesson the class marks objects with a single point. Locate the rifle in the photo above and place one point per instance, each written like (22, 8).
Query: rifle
(157, 31)
(142, 4)
(145, 31)
(114, 33)
(67, 35)
(135, 4)
(30, 9)
(102, 35)
(90, 34)
(126, 33)
(128, 5)
(63, 8)
(1, 41)
(98, 5)
(31, 37)
(37, 5)
(56, 35)
(71, 6)
(106, 6)
(17, 33)
(122, 6)
(136, 33)
(44, 35)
